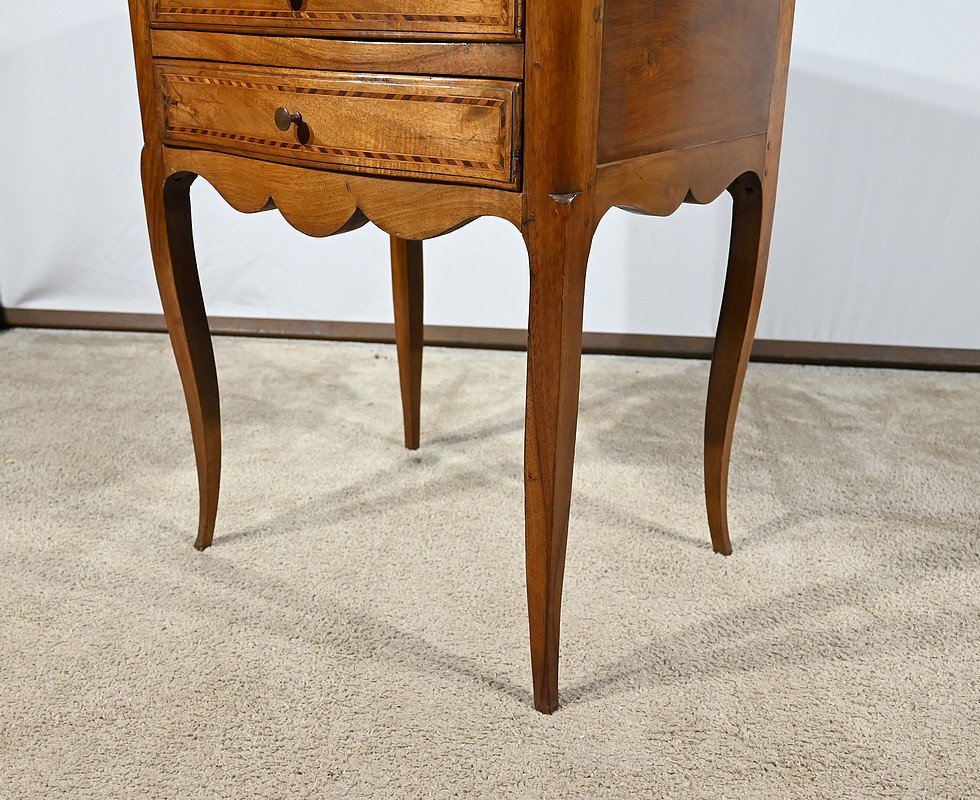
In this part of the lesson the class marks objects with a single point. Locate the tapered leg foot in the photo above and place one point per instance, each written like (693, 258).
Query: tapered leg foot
(748, 258)
(407, 289)
(168, 212)
(558, 249)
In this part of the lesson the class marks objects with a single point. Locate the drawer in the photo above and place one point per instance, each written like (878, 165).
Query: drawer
(486, 19)
(453, 129)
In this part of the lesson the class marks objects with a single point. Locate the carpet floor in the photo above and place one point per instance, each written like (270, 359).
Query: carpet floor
(359, 630)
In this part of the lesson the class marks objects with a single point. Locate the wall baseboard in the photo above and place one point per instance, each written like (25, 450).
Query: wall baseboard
(632, 344)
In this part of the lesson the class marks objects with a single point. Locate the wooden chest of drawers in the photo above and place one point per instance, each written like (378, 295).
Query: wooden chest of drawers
(422, 115)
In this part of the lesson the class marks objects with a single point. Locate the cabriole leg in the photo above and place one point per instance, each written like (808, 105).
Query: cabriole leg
(748, 258)
(558, 247)
(168, 213)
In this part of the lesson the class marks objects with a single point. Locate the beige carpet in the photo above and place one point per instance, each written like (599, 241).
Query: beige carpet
(358, 629)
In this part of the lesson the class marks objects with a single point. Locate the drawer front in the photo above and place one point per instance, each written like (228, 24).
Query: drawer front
(489, 19)
(458, 130)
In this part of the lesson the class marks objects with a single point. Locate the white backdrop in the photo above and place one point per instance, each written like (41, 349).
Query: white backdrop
(877, 237)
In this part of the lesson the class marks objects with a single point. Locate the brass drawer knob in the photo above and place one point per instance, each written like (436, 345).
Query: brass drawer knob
(285, 119)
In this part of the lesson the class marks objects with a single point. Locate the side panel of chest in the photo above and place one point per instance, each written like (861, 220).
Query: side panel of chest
(680, 73)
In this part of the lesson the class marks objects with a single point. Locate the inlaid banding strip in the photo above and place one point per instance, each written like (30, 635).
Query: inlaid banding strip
(482, 102)
(331, 16)
(334, 151)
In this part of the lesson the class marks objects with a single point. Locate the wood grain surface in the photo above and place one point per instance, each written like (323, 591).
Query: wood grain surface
(446, 18)
(459, 59)
(455, 128)
(680, 73)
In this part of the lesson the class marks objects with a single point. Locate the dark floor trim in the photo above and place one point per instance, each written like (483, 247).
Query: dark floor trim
(771, 350)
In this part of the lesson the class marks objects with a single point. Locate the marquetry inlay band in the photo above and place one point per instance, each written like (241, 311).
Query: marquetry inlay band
(335, 16)
(332, 151)
(483, 102)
